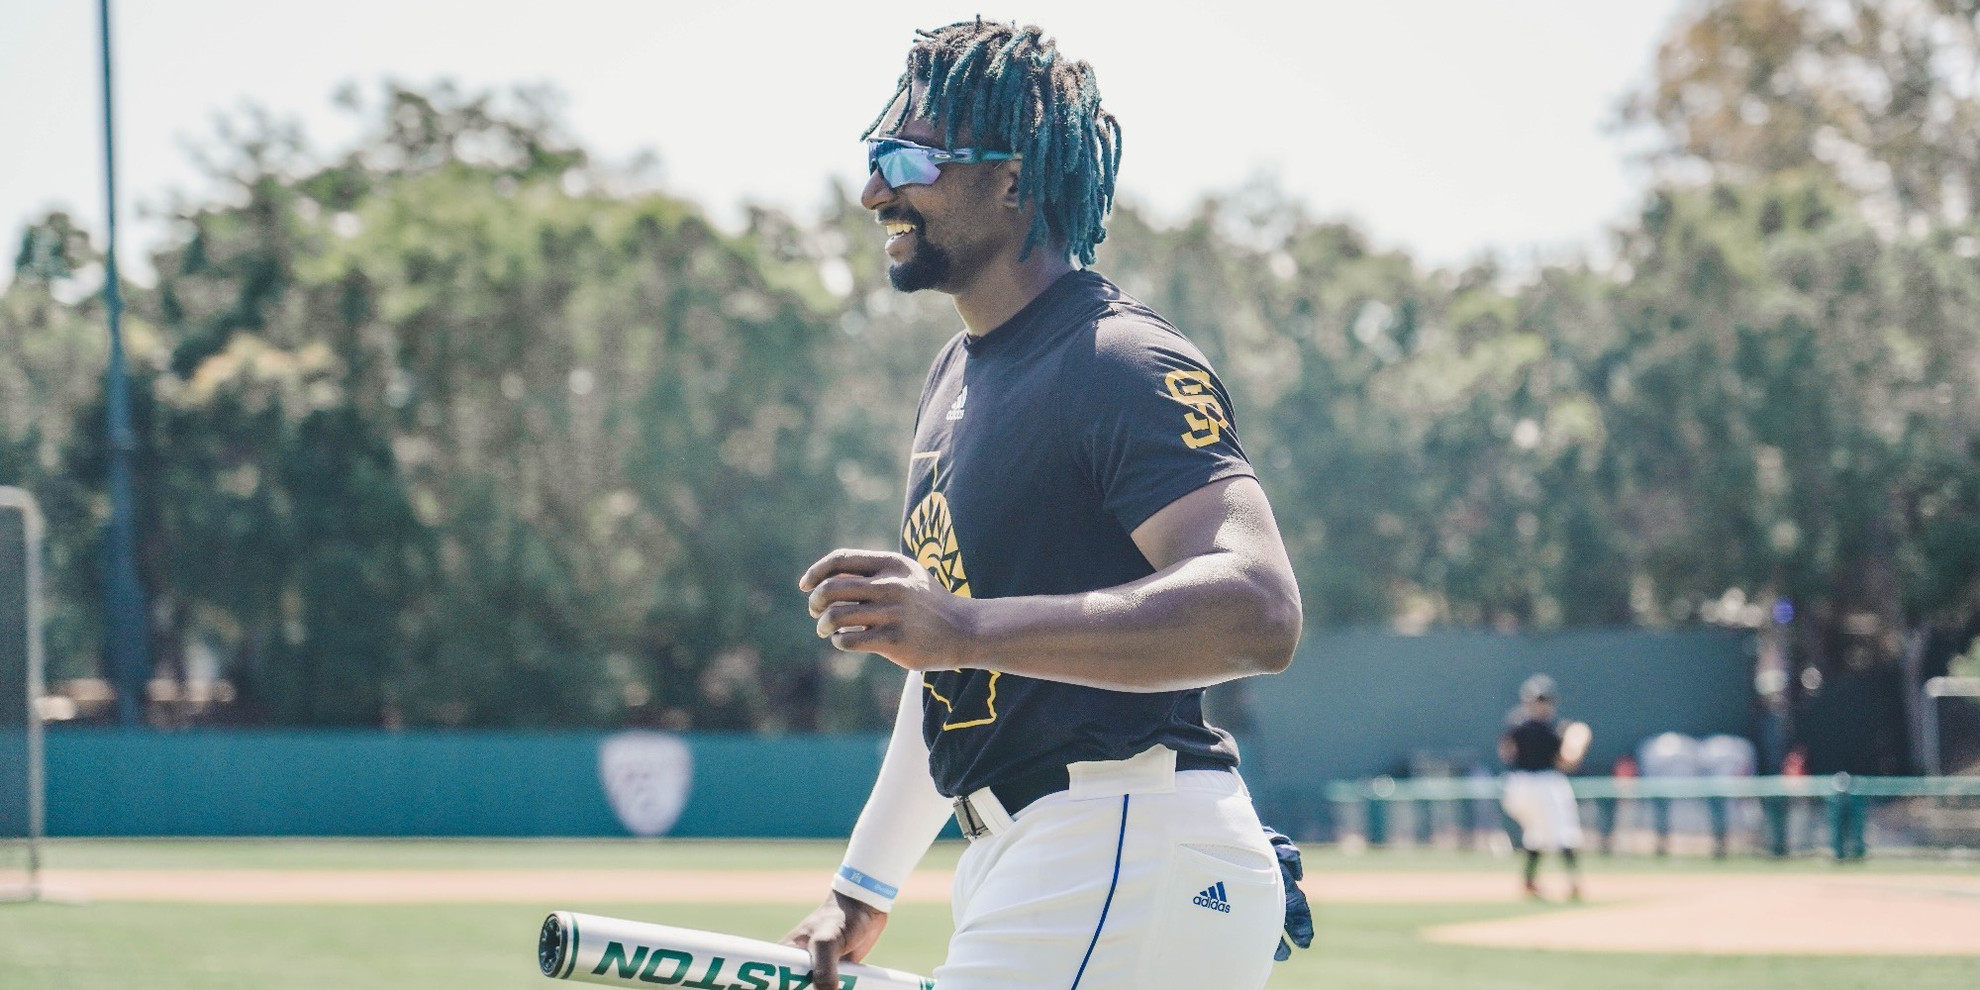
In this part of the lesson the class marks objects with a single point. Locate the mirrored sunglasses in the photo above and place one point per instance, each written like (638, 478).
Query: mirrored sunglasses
(904, 163)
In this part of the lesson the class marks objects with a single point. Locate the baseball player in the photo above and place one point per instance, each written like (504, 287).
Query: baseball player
(1084, 550)
(1541, 751)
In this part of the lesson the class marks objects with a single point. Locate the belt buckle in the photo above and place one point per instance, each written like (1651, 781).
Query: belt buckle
(972, 824)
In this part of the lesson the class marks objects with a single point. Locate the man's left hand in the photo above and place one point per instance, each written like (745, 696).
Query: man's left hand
(1299, 915)
(869, 601)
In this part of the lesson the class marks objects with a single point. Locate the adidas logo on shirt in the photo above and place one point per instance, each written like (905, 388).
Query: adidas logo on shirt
(1213, 898)
(956, 408)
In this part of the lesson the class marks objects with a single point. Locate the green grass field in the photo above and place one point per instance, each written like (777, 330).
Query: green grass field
(161, 946)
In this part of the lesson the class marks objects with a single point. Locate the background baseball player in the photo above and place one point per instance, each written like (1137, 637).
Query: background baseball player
(1541, 751)
(1084, 549)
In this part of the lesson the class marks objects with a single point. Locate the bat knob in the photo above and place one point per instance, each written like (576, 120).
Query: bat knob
(553, 944)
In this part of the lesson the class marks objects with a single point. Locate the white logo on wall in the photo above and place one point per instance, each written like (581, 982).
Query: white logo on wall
(646, 776)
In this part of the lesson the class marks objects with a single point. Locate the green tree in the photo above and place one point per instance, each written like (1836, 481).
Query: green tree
(1879, 94)
(55, 345)
(586, 421)
(460, 428)
(1793, 378)
(1832, 266)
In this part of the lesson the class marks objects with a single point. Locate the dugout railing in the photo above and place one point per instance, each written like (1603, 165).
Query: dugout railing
(1372, 810)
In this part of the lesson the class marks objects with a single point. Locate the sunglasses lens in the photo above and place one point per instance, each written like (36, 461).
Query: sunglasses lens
(902, 165)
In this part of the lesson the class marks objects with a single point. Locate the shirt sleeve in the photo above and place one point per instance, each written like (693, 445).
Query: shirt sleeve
(1157, 422)
(902, 817)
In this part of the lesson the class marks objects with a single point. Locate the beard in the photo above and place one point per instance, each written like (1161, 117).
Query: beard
(927, 268)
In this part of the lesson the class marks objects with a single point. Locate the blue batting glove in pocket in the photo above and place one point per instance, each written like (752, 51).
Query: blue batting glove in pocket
(1299, 915)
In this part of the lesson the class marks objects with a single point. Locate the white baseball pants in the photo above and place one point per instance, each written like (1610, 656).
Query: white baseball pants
(1542, 802)
(1136, 876)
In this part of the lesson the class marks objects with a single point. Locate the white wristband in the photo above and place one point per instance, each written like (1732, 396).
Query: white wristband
(868, 889)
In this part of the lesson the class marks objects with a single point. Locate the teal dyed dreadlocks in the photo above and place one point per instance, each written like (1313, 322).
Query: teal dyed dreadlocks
(1007, 87)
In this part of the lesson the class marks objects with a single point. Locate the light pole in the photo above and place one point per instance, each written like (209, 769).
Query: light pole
(127, 633)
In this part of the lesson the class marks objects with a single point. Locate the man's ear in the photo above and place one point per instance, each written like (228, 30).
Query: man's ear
(1008, 173)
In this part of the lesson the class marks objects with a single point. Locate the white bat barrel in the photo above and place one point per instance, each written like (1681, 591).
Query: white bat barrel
(588, 948)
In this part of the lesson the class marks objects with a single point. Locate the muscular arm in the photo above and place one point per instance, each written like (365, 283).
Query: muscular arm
(1221, 604)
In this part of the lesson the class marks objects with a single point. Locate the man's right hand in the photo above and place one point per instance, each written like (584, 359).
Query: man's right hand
(840, 928)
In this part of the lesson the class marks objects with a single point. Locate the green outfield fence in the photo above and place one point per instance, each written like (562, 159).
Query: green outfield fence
(1841, 809)
(1360, 702)
(107, 782)
(240, 782)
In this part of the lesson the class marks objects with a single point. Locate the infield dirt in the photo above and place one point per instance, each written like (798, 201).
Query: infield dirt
(1877, 914)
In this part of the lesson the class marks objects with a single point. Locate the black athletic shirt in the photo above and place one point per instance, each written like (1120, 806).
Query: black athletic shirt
(1038, 448)
(1536, 745)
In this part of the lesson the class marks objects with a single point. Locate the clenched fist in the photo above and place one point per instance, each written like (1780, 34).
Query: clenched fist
(870, 601)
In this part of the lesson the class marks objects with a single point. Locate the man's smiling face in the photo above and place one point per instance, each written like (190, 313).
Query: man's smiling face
(916, 259)
(940, 234)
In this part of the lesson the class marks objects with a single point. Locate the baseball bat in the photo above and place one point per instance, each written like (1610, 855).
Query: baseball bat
(589, 948)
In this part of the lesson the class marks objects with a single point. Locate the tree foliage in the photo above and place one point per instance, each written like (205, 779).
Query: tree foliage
(461, 428)
(1882, 95)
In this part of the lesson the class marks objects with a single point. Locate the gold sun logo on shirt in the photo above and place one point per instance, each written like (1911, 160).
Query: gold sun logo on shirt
(931, 534)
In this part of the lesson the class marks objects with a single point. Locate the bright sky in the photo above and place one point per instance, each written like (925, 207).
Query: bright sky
(1447, 127)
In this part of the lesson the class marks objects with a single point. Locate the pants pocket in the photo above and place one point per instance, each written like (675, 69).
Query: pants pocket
(1217, 918)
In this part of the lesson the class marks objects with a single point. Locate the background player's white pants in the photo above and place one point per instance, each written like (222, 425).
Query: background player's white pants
(1542, 802)
(1111, 891)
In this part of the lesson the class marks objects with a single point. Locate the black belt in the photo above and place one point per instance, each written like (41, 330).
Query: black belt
(1017, 793)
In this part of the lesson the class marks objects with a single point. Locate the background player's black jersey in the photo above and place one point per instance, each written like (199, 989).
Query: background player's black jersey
(1536, 744)
(1038, 449)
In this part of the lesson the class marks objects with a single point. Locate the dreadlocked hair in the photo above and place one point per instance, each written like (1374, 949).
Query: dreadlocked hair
(1007, 87)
